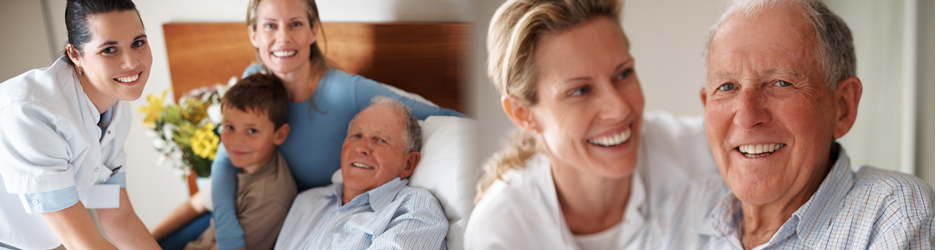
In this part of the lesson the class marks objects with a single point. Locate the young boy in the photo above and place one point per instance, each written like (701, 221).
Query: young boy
(255, 112)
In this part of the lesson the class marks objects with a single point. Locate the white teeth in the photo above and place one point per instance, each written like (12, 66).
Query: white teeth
(611, 141)
(361, 165)
(759, 150)
(284, 53)
(128, 79)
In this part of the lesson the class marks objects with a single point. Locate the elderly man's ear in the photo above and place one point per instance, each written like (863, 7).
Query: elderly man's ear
(411, 160)
(847, 95)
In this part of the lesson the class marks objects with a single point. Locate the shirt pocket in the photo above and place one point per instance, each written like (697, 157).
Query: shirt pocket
(359, 231)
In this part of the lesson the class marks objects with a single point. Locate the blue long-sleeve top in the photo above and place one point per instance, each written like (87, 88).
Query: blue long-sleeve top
(313, 147)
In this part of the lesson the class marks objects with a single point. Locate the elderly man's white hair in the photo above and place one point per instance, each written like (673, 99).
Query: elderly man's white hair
(835, 51)
(413, 133)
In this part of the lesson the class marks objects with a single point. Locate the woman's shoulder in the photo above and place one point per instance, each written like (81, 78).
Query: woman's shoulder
(516, 213)
(518, 197)
(675, 150)
(44, 86)
(337, 75)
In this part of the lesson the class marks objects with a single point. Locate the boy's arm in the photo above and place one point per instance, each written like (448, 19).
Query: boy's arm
(181, 215)
(421, 226)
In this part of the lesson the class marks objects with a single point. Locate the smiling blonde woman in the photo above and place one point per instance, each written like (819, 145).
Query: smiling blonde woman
(589, 168)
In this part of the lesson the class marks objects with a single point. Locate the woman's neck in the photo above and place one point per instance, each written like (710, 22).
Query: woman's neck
(101, 101)
(590, 203)
(302, 83)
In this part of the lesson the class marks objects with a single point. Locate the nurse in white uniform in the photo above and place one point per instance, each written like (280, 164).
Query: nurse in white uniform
(589, 168)
(62, 132)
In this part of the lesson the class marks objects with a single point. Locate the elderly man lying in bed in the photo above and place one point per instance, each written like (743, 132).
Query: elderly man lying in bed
(373, 207)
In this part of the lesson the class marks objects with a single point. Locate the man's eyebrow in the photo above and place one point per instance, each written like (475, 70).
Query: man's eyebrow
(785, 71)
(721, 75)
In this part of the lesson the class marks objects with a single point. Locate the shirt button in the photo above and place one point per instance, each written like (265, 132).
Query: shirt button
(108, 132)
(96, 169)
(35, 202)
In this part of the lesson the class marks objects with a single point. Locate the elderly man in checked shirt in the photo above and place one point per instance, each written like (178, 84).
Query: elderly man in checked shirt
(781, 89)
(373, 208)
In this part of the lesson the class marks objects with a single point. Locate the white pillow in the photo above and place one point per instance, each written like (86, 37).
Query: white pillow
(449, 169)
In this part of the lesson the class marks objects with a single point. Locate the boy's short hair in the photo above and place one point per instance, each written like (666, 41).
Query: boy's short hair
(262, 93)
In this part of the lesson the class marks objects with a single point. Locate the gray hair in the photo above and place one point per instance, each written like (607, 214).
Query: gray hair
(413, 134)
(835, 51)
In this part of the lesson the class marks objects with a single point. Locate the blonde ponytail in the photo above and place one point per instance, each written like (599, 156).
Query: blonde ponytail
(520, 146)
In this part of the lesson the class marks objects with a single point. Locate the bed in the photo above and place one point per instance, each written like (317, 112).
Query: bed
(427, 59)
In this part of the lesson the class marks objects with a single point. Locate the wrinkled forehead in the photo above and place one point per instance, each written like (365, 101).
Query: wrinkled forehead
(775, 41)
(381, 119)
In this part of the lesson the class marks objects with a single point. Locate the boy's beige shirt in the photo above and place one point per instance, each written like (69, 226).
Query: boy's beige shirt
(263, 200)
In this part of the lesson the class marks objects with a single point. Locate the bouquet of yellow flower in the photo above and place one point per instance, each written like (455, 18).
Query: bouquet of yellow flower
(185, 133)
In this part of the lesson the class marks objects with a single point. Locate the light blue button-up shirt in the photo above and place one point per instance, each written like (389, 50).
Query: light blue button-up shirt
(868, 209)
(393, 215)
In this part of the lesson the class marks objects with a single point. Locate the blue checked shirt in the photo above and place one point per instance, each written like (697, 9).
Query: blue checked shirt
(868, 209)
(392, 216)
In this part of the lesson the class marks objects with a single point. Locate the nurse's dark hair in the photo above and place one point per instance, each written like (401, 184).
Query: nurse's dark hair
(259, 93)
(76, 18)
(515, 29)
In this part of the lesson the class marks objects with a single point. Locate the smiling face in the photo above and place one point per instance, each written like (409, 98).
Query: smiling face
(250, 138)
(373, 153)
(769, 117)
(589, 99)
(116, 61)
(283, 35)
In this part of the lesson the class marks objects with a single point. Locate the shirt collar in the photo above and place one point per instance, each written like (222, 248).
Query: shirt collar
(724, 218)
(814, 216)
(377, 198)
(810, 219)
(270, 166)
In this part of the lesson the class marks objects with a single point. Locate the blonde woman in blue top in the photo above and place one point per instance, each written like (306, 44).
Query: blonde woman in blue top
(323, 101)
(62, 136)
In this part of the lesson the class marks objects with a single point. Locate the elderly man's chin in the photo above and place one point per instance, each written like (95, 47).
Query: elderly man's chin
(758, 180)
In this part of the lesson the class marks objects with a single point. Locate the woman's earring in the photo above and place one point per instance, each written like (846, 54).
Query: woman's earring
(80, 72)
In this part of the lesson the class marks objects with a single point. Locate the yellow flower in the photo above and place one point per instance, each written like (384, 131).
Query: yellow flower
(153, 112)
(205, 142)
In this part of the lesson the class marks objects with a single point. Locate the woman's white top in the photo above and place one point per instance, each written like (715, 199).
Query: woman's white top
(522, 210)
(53, 153)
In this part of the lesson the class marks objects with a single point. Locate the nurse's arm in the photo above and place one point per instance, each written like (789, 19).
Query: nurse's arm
(124, 228)
(75, 229)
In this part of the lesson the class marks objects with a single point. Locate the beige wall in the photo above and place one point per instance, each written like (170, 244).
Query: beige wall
(23, 20)
(926, 91)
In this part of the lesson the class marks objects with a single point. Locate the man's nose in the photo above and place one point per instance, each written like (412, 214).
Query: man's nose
(751, 109)
(363, 147)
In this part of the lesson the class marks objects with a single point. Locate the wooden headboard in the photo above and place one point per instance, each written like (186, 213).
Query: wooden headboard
(428, 59)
